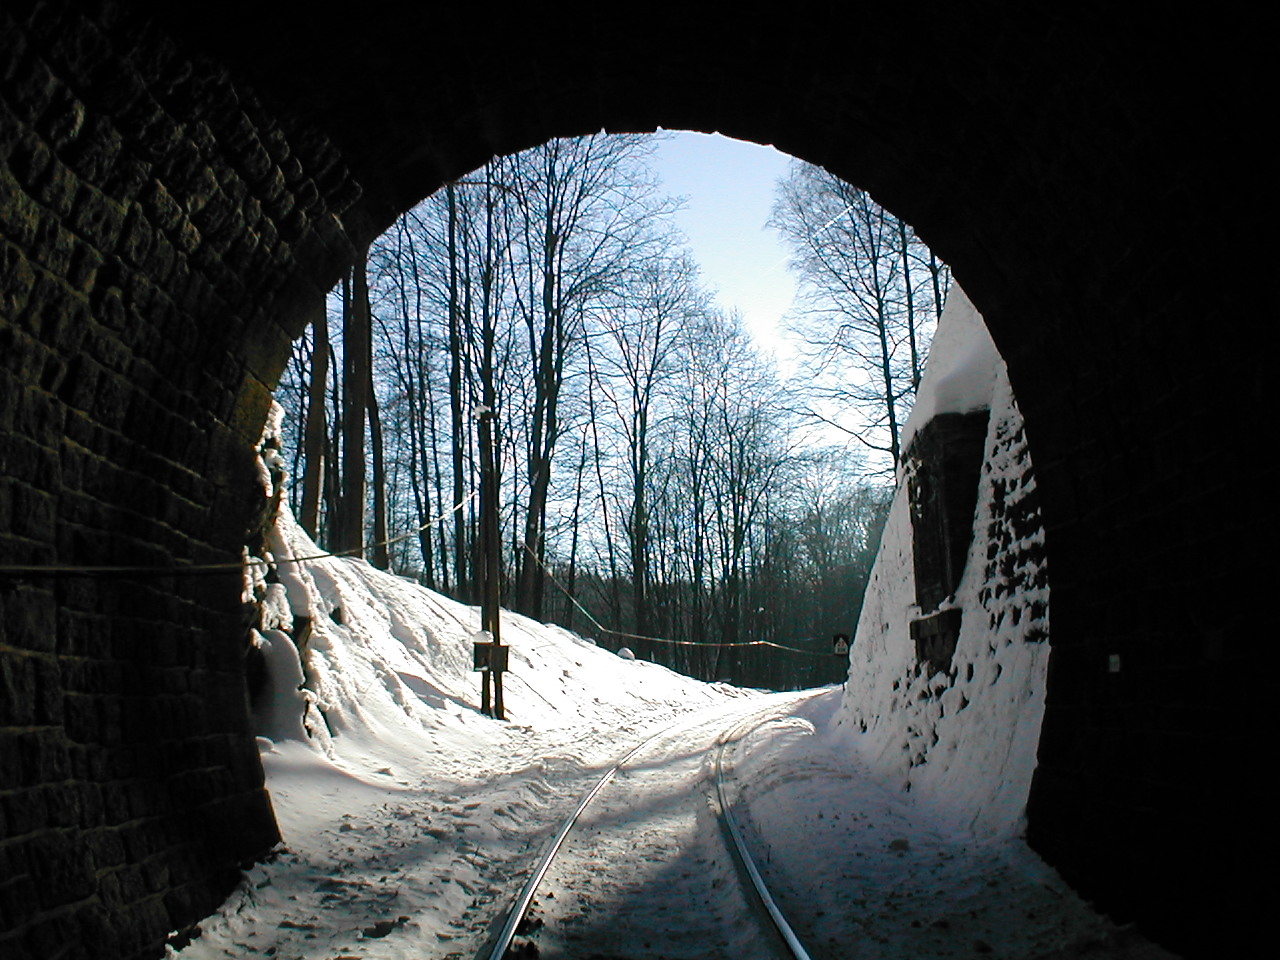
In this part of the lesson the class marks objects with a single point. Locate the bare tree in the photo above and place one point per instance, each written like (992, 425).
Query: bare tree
(647, 449)
(865, 317)
(580, 221)
(641, 332)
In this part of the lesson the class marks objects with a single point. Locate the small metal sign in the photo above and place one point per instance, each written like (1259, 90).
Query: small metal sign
(490, 656)
(840, 644)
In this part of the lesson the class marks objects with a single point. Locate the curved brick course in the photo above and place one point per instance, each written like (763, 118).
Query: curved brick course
(175, 191)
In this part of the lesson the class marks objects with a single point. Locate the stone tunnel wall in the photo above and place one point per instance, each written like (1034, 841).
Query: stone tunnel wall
(163, 231)
(135, 245)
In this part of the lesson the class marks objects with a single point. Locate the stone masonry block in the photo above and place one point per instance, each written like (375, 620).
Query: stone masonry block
(98, 218)
(17, 691)
(136, 240)
(57, 248)
(95, 151)
(162, 209)
(30, 618)
(19, 214)
(127, 175)
(44, 757)
(11, 130)
(33, 90)
(29, 158)
(62, 122)
(17, 276)
(78, 52)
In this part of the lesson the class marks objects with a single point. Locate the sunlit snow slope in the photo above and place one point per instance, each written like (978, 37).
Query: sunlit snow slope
(406, 815)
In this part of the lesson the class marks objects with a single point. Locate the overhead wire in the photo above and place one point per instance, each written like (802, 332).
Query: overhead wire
(33, 571)
(29, 571)
(682, 643)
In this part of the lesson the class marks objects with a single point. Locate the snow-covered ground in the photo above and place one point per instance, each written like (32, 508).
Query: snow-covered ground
(403, 801)
(409, 819)
(409, 825)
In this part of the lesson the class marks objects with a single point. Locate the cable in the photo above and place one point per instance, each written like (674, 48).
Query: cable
(21, 571)
(682, 643)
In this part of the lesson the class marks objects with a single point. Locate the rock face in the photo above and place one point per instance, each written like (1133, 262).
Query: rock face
(176, 192)
(947, 669)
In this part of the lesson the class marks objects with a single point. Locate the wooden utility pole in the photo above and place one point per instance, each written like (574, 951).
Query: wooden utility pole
(490, 654)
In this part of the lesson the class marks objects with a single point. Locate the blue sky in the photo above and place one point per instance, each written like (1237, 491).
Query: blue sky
(728, 186)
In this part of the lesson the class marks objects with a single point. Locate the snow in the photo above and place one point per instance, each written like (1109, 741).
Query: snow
(394, 795)
(963, 370)
(893, 879)
(963, 744)
(886, 815)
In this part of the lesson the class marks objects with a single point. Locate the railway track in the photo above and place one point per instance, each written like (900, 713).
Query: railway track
(652, 862)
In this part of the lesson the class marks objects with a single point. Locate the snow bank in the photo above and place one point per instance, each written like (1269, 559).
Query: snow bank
(385, 667)
(405, 813)
(961, 740)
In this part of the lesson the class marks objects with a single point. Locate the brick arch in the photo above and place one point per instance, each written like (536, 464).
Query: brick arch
(175, 193)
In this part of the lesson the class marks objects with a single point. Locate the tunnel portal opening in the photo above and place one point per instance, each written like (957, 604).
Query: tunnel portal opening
(177, 193)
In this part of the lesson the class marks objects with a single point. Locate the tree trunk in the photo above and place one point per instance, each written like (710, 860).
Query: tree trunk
(459, 437)
(315, 441)
(911, 312)
(379, 550)
(357, 355)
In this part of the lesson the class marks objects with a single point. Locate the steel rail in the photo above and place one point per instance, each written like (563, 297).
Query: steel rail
(523, 901)
(788, 935)
(531, 885)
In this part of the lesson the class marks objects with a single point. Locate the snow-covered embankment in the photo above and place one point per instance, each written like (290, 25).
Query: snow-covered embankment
(406, 815)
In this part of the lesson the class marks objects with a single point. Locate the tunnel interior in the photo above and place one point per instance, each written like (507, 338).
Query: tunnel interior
(177, 190)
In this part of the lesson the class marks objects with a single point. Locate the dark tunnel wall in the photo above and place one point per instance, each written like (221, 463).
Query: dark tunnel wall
(178, 184)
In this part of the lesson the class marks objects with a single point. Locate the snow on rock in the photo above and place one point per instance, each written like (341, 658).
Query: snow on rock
(964, 369)
(281, 703)
(964, 740)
